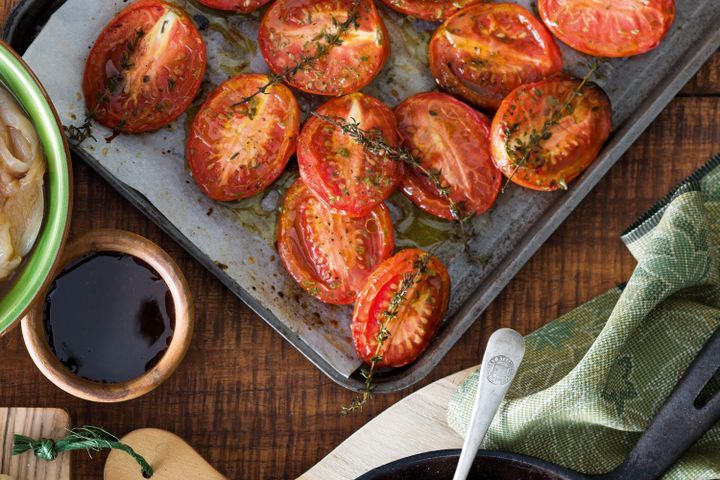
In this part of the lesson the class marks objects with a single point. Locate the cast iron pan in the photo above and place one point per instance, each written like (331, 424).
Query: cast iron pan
(690, 411)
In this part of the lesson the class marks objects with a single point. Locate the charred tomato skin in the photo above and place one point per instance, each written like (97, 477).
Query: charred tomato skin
(236, 149)
(485, 50)
(618, 28)
(329, 254)
(239, 6)
(572, 144)
(291, 30)
(431, 10)
(339, 170)
(450, 137)
(145, 68)
(418, 318)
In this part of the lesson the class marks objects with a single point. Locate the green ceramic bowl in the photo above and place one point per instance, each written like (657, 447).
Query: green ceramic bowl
(36, 271)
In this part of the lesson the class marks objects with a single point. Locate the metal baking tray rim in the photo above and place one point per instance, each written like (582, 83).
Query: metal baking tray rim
(495, 282)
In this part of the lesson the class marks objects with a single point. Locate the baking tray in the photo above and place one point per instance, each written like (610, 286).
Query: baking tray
(639, 89)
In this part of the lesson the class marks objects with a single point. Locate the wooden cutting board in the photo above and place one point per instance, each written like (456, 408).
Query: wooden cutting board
(34, 423)
(169, 455)
(415, 424)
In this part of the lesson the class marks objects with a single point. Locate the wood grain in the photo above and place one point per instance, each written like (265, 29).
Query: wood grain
(255, 408)
(34, 423)
(415, 424)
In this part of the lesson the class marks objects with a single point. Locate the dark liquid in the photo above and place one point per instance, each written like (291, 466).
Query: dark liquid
(109, 317)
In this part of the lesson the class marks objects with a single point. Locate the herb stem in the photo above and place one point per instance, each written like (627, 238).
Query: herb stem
(78, 134)
(557, 115)
(330, 40)
(373, 142)
(396, 303)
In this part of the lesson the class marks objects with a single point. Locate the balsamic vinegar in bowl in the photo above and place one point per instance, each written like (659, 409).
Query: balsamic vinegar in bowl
(115, 322)
(109, 317)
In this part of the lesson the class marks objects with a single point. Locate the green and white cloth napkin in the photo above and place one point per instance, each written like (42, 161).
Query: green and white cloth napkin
(593, 379)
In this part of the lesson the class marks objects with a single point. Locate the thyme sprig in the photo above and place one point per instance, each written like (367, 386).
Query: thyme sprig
(78, 134)
(325, 42)
(526, 149)
(420, 267)
(373, 142)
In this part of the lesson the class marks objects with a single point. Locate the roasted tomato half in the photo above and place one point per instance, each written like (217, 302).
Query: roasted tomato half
(328, 253)
(449, 137)
(293, 30)
(412, 319)
(486, 50)
(338, 169)
(237, 148)
(240, 6)
(605, 28)
(145, 67)
(545, 134)
(428, 9)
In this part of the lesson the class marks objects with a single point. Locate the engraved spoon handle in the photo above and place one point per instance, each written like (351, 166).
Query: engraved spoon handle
(503, 354)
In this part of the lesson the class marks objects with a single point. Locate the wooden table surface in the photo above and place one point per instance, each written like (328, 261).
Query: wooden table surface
(257, 409)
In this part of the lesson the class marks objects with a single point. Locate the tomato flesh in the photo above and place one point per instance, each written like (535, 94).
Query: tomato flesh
(328, 253)
(237, 149)
(609, 28)
(145, 68)
(449, 137)
(428, 9)
(418, 318)
(570, 145)
(239, 6)
(293, 29)
(484, 51)
(336, 168)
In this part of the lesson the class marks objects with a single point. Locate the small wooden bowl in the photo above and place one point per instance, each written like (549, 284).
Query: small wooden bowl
(107, 240)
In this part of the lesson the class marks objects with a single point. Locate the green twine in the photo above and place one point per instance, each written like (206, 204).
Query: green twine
(85, 438)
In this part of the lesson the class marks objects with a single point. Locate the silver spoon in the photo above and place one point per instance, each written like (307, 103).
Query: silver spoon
(503, 354)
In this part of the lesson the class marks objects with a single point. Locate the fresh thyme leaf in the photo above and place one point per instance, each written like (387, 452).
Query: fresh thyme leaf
(420, 268)
(524, 150)
(325, 41)
(374, 143)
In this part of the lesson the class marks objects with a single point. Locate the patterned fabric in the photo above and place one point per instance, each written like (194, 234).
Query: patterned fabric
(593, 379)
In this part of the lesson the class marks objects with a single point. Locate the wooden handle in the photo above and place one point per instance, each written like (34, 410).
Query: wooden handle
(169, 455)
